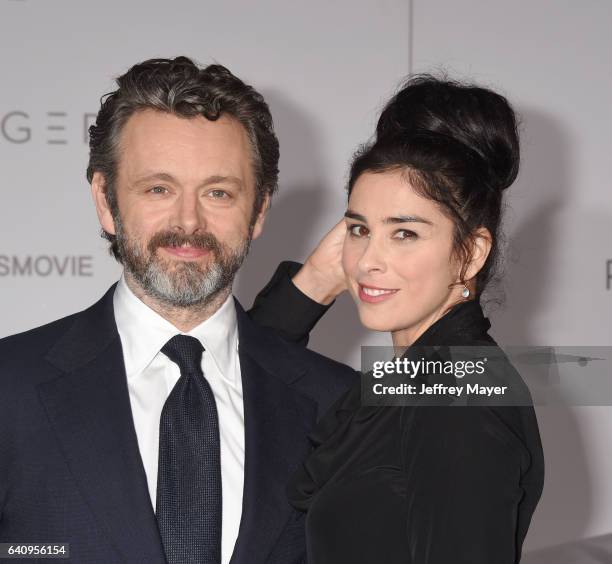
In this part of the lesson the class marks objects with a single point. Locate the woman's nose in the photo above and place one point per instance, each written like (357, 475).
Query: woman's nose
(372, 258)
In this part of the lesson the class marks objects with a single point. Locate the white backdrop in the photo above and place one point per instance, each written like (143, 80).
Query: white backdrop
(325, 68)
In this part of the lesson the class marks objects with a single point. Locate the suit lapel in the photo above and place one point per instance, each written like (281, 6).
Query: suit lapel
(277, 420)
(89, 410)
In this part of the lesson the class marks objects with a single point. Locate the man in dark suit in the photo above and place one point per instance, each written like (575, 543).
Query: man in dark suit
(161, 424)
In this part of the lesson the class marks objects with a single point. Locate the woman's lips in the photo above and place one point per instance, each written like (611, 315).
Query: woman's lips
(373, 295)
(186, 252)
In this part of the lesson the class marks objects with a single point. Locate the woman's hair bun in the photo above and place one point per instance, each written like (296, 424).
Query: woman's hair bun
(462, 116)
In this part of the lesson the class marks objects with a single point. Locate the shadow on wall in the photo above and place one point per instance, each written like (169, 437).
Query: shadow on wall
(291, 230)
(541, 191)
(596, 550)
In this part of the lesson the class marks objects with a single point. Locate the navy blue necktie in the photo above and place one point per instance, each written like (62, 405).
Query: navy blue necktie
(189, 472)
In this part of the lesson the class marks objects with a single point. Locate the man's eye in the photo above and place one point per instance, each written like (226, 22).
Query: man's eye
(158, 190)
(358, 230)
(403, 234)
(218, 194)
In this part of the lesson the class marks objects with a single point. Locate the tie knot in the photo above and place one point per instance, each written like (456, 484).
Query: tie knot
(185, 351)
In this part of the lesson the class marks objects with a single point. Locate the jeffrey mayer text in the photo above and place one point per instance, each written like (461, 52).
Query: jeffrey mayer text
(438, 390)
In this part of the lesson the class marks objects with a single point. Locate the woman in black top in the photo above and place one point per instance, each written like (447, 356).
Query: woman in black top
(422, 484)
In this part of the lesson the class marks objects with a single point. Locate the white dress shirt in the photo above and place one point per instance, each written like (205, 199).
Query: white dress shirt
(151, 377)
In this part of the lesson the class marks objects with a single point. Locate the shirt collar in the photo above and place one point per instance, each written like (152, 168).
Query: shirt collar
(463, 324)
(144, 332)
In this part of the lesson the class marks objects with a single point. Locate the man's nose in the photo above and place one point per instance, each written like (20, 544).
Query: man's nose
(188, 216)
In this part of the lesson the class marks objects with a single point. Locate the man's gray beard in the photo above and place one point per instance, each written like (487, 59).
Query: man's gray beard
(182, 283)
(186, 286)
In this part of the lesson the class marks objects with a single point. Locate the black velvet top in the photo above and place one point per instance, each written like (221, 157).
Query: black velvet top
(421, 484)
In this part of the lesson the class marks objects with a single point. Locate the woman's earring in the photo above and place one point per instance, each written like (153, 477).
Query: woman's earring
(465, 292)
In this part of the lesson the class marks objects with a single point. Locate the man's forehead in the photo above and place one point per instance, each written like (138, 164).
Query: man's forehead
(154, 142)
(147, 124)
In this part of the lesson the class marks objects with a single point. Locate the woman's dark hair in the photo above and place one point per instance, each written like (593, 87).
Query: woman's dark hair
(180, 87)
(458, 145)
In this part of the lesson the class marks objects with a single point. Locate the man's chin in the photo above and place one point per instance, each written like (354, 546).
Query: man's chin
(184, 285)
(183, 297)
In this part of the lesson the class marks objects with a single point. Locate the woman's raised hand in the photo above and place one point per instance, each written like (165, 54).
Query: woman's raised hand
(322, 278)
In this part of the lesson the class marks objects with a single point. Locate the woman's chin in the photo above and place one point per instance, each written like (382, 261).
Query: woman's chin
(374, 322)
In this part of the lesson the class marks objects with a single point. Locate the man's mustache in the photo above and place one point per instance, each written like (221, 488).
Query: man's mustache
(197, 240)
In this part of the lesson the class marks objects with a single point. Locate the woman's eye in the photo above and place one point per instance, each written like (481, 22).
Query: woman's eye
(358, 230)
(403, 234)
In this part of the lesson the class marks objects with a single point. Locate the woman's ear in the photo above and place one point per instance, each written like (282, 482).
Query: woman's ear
(481, 247)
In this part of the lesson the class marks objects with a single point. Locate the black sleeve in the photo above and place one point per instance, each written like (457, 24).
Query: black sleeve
(283, 307)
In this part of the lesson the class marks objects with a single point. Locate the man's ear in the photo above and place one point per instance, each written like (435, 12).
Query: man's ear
(261, 217)
(481, 247)
(98, 191)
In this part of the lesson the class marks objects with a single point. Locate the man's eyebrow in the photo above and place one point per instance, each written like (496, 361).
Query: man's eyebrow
(214, 179)
(221, 179)
(166, 177)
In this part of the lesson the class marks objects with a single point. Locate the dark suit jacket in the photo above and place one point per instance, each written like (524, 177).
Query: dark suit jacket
(70, 469)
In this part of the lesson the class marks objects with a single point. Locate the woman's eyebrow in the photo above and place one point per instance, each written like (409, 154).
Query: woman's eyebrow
(407, 219)
(353, 215)
(390, 220)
